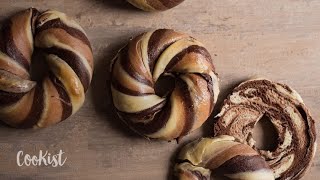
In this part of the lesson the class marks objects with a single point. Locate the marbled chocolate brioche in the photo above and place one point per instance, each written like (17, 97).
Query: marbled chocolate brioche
(155, 5)
(252, 100)
(25, 103)
(154, 55)
(221, 157)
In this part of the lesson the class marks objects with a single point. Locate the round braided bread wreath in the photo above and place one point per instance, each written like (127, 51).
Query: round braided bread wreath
(155, 5)
(150, 57)
(25, 103)
(253, 99)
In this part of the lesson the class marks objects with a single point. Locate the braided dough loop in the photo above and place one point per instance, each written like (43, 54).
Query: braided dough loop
(155, 5)
(221, 156)
(25, 103)
(252, 100)
(151, 56)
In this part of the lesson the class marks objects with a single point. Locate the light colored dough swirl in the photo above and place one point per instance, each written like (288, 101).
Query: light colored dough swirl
(164, 53)
(252, 100)
(155, 5)
(25, 103)
(221, 157)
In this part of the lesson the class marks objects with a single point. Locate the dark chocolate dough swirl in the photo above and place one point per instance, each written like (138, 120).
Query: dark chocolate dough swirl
(252, 100)
(155, 5)
(155, 55)
(25, 103)
(221, 157)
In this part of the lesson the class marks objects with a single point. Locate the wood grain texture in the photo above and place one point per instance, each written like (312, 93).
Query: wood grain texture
(279, 40)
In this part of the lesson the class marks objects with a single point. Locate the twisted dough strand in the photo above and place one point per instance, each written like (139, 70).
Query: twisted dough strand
(139, 66)
(155, 5)
(25, 103)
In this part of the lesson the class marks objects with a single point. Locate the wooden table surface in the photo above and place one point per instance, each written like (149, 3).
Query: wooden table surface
(277, 39)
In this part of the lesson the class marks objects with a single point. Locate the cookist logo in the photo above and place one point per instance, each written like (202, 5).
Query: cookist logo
(44, 158)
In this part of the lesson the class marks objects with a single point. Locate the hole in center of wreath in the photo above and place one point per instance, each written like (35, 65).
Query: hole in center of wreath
(265, 134)
(164, 85)
(39, 68)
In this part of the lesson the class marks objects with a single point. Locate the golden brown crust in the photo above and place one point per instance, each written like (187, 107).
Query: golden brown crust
(254, 99)
(25, 103)
(146, 59)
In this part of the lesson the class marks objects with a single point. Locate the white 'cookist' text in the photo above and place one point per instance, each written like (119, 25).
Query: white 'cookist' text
(44, 158)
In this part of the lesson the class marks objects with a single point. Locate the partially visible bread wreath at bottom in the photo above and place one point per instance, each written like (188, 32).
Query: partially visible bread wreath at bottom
(221, 156)
(252, 100)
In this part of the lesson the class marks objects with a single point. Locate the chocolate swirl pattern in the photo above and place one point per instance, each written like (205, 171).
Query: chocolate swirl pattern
(221, 157)
(155, 5)
(25, 103)
(252, 100)
(164, 53)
